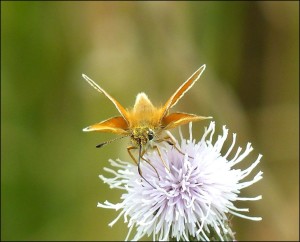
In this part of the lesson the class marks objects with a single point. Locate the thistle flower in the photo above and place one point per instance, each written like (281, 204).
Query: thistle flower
(192, 198)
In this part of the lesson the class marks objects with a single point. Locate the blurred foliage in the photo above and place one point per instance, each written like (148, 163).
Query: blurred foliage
(49, 167)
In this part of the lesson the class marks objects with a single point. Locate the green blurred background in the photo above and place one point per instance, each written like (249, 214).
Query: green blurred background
(49, 167)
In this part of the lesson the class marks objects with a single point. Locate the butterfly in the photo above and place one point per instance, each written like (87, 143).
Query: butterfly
(145, 124)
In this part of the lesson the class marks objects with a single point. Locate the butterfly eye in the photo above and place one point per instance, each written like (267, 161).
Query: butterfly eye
(150, 135)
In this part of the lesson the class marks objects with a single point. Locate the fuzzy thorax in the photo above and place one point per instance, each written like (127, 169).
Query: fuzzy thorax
(144, 120)
(144, 113)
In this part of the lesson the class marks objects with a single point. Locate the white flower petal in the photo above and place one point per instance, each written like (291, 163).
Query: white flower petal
(192, 198)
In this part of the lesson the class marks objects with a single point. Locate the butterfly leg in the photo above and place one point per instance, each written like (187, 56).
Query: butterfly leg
(129, 148)
(171, 141)
(159, 153)
(139, 161)
(149, 162)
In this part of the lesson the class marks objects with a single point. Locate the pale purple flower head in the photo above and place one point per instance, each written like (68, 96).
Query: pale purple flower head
(193, 196)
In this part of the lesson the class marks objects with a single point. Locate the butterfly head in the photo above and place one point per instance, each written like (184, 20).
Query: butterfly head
(142, 135)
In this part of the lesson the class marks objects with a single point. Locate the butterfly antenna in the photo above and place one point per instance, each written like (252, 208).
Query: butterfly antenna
(109, 141)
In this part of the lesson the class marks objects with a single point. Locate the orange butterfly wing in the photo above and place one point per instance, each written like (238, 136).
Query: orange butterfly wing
(182, 90)
(116, 125)
(120, 108)
(174, 120)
